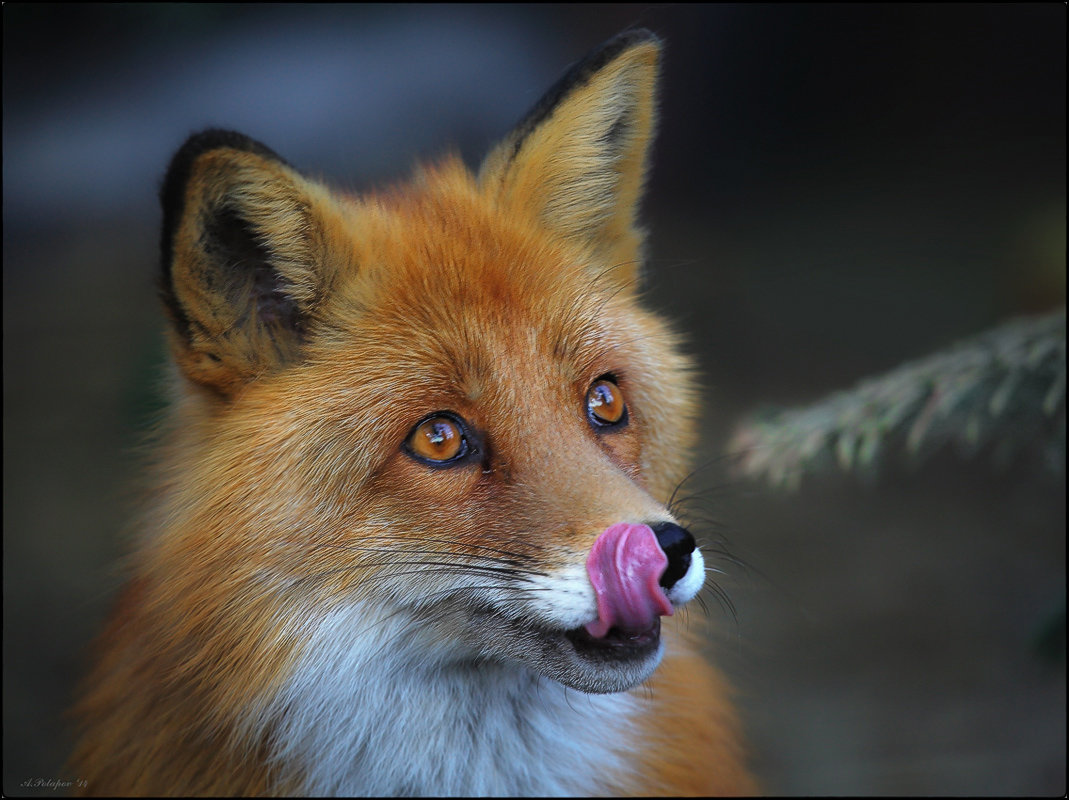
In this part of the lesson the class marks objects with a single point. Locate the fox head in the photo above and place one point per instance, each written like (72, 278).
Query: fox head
(441, 404)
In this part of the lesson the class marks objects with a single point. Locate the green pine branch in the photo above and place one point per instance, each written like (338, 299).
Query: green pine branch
(1002, 391)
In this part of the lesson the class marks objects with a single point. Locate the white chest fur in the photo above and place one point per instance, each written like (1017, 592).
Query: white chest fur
(374, 709)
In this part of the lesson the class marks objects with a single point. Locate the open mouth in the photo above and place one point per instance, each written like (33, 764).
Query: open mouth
(618, 644)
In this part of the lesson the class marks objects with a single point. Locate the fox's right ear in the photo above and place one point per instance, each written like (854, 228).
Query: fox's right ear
(246, 255)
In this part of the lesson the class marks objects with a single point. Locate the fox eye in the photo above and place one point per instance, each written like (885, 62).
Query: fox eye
(439, 440)
(605, 403)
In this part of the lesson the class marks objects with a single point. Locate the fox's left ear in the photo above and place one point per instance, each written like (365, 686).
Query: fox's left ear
(579, 157)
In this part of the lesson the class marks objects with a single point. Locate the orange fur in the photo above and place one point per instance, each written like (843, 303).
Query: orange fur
(311, 332)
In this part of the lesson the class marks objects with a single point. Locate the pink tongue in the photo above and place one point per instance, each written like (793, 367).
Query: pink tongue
(625, 565)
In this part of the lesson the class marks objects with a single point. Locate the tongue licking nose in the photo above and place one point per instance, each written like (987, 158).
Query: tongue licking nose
(625, 566)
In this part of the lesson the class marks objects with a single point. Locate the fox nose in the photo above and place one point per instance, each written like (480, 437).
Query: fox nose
(677, 544)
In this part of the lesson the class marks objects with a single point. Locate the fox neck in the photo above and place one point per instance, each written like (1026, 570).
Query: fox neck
(374, 708)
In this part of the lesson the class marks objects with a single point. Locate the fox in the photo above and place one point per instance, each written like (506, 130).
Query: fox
(409, 528)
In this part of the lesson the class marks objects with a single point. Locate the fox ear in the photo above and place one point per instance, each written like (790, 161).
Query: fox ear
(579, 157)
(245, 258)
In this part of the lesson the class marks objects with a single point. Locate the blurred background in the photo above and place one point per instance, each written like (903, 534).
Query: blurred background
(836, 189)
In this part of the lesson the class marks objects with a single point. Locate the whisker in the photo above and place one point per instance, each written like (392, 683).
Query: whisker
(439, 567)
(703, 604)
(392, 552)
(700, 468)
(723, 600)
(403, 537)
(447, 592)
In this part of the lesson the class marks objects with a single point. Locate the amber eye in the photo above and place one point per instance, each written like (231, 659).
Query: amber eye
(438, 440)
(605, 403)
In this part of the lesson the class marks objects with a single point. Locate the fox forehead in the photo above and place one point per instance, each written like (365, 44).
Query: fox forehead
(458, 293)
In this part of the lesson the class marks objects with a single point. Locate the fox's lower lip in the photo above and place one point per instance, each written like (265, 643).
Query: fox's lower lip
(617, 643)
(615, 662)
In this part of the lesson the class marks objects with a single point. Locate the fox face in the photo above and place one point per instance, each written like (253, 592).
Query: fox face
(446, 400)
(418, 462)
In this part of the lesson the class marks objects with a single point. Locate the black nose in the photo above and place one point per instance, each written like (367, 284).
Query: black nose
(677, 544)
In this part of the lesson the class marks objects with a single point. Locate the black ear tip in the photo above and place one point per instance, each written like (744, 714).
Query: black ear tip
(608, 50)
(178, 172)
(631, 38)
(219, 138)
(172, 193)
(197, 145)
(578, 75)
